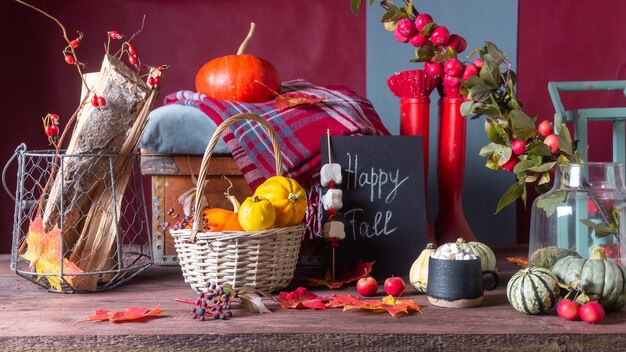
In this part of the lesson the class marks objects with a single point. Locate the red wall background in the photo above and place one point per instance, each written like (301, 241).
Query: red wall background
(321, 41)
(563, 40)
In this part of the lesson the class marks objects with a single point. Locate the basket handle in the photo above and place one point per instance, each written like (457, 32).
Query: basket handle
(204, 166)
(19, 150)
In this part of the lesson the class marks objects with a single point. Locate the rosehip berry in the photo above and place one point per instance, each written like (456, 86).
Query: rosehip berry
(553, 142)
(55, 130)
(114, 35)
(48, 131)
(132, 59)
(102, 102)
(54, 118)
(453, 67)
(479, 63)
(457, 43)
(399, 37)
(545, 128)
(157, 81)
(440, 36)
(435, 69)
(510, 164)
(151, 81)
(75, 43)
(160, 68)
(419, 40)
(406, 27)
(451, 81)
(518, 147)
(422, 20)
(469, 71)
(132, 50)
(94, 100)
(69, 59)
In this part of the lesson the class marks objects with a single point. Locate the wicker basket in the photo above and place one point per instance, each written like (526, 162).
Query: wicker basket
(264, 260)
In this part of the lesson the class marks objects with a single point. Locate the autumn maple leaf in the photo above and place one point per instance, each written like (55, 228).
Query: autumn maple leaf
(521, 261)
(292, 99)
(301, 298)
(359, 271)
(389, 304)
(44, 254)
(130, 314)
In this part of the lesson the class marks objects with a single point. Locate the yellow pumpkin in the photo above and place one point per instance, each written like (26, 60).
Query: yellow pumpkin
(287, 197)
(219, 219)
(256, 214)
(418, 275)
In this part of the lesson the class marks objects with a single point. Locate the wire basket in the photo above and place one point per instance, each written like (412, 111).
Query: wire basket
(80, 221)
(264, 260)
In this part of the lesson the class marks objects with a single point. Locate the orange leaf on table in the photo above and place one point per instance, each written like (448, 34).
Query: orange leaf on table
(301, 298)
(292, 99)
(389, 304)
(44, 254)
(521, 261)
(131, 314)
(361, 270)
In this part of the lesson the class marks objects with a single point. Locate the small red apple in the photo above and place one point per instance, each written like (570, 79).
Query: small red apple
(419, 40)
(435, 69)
(451, 81)
(510, 165)
(545, 128)
(367, 286)
(453, 67)
(479, 63)
(394, 286)
(399, 37)
(469, 71)
(518, 147)
(553, 142)
(422, 20)
(440, 36)
(457, 43)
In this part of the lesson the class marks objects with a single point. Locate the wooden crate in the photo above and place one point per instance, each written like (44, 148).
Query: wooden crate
(171, 177)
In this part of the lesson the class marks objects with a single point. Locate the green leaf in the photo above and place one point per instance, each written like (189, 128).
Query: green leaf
(480, 91)
(440, 58)
(467, 108)
(471, 82)
(543, 187)
(550, 202)
(531, 178)
(523, 126)
(490, 73)
(565, 140)
(488, 150)
(538, 148)
(491, 53)
(423, 53)
(615, 215)
(355, 5)
(601, 229)
(450, 53)
(427, 29)
(502, 155)
(490, 164)
(495, 132)
(409, 7)
(514, 192)
(522, 166)
(489, 110)
(543, 167)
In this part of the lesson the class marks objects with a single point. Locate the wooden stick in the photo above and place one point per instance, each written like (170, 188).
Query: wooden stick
(245, 42)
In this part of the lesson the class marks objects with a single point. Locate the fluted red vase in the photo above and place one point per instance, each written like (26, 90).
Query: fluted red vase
(414, 118)
(450, 222)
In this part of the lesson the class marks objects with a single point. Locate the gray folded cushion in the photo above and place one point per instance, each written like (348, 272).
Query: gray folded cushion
(180, 129)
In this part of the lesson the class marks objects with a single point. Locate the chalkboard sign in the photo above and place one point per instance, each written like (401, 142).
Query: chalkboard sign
(383, 201)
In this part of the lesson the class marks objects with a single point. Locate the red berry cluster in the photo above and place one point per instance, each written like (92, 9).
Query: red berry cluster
(98, 101)
(68, 52)
(546, 131)
(51, 128)
(423, 32)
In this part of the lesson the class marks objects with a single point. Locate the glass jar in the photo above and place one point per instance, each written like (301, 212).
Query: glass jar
(582, 210)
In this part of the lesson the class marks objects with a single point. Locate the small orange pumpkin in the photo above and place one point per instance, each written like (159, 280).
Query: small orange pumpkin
(219, 219)
(242, 77)
(287, 197)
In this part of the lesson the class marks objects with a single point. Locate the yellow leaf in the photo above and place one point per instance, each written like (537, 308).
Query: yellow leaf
(44, 254)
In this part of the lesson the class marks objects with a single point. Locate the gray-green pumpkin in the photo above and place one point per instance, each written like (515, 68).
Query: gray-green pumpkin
(548, 256)
(533, 290)
(601, 279)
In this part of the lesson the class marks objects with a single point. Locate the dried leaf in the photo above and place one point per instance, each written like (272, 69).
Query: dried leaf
(252, 302)
(389, 304)
(44, 254)
(301, 298)
(521, 261)
(289, 100)
(359, 271)
(132, 314)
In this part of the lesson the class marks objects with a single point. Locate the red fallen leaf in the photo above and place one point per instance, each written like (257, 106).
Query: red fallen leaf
(301, 298)
(521, 261)
(389, 304)
(359, 271)
(293, 99)
(131, 314)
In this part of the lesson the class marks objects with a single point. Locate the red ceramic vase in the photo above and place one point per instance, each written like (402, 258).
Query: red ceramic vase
(450, 222)
(414, 116)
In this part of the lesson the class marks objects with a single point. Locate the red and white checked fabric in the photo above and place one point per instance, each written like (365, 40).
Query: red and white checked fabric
(298, 130)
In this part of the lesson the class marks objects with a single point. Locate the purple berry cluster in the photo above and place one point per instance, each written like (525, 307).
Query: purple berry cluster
(215, 303)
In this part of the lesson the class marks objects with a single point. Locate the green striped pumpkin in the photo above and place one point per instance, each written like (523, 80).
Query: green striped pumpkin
(533, 290)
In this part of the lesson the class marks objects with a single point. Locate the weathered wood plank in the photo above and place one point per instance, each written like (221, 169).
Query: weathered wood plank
(31, 318)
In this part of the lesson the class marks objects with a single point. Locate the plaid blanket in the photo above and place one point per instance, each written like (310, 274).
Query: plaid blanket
(298, 130)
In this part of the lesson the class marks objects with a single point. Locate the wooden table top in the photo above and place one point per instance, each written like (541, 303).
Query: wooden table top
(33, 319)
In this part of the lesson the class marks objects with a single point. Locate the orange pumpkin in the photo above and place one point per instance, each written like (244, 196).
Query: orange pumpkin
(219, 219)
(242, 77)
